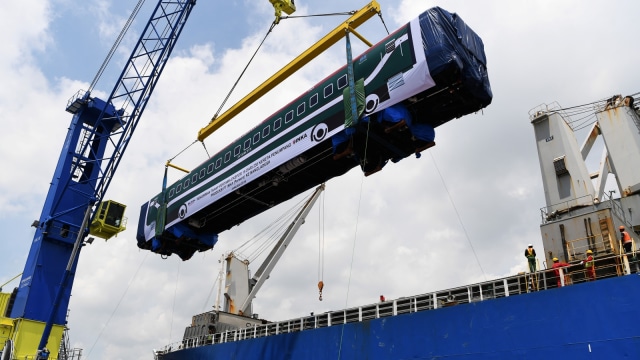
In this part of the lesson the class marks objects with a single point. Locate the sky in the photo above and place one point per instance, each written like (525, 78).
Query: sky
(464, 212)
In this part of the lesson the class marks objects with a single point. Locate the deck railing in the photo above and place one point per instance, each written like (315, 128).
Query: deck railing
(523, 283)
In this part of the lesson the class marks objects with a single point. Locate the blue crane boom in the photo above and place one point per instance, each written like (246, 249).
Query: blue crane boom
(97, 138)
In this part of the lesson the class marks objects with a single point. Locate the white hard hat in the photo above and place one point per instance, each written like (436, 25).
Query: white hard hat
(530, 245)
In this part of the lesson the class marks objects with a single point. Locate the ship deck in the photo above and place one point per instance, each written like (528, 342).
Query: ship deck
(608, 266)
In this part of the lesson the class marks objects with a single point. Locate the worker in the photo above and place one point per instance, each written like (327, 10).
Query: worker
(530, 254)
(382, 299)
(589, 266)
(557, 264)
(626, 240)
(627, 244)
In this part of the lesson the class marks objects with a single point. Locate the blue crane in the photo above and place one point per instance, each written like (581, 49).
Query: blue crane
(97, 138)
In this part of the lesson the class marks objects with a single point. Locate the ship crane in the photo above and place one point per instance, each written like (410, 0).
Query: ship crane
(240, 288)
(263, 272)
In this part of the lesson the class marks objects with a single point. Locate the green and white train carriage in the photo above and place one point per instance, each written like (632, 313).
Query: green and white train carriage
(427, 72)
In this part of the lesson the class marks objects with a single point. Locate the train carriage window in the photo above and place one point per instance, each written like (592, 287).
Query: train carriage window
(256, 138)
(187, 183)
(202, 173)
(390, 46)
(313, 101)
(218, 162)
(265, 131)
(247, 144)
(210, 168)
(301, 109)
(179, 188)
(328, 90)
(288, 117)
(277, 124)
(172, 192)
(236, 150)
(342, 81)
(227, 156)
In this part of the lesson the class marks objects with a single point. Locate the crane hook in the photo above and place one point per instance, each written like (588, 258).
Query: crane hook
(320, 287)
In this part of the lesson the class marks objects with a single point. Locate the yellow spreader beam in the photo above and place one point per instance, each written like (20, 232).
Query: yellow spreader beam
(323, 44)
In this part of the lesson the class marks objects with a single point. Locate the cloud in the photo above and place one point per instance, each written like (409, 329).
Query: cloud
(463, 212)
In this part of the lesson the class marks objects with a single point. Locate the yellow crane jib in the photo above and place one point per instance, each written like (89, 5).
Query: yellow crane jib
(288, 6)
(355, 20)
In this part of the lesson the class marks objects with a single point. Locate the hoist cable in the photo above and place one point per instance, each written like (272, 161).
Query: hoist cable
(383, 23)
(115, 309)
(273, 24)
(353, 251)
(272, 233)
(183, 150)
(205, 149)
(206, 302)
(366, 145)
(318, 15)
(321, 238)
(278, 220)
(455, 209)
(175, 294)
(116, 44)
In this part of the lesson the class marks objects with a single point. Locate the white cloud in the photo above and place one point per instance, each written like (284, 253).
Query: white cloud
(420, 223)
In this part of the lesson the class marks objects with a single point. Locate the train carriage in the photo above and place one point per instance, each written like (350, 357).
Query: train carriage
(424, 74)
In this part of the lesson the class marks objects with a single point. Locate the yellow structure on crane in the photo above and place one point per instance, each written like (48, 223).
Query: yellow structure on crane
(109, 220)
(288, 6)
(355, 20)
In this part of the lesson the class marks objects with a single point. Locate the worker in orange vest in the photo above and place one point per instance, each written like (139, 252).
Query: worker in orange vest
(557, 264)
(626, 240)
(589, 266)
(627, 244)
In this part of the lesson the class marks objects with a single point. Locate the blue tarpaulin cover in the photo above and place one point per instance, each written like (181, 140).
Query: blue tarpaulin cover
(456, 61)
(449, 42)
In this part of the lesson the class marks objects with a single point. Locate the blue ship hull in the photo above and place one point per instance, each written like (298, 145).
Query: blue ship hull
(595, 320)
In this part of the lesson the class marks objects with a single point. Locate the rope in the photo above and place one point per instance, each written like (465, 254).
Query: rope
(243, 71)
(185, 149)
(118, 304)
(205, 149)
(353, 251)
(584, 112)
(321, 239)
(383, 23)
(355, 236)
(173, 307)
(282, 222)
(466, 235)
(115, 45)
(206, 302)
(318, 15)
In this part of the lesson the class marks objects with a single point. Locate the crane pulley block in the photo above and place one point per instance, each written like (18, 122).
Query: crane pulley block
(288, 6)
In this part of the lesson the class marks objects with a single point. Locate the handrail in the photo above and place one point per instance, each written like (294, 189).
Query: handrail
(547, 216)
(15, 277)
(606, 266)
(599, 245)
